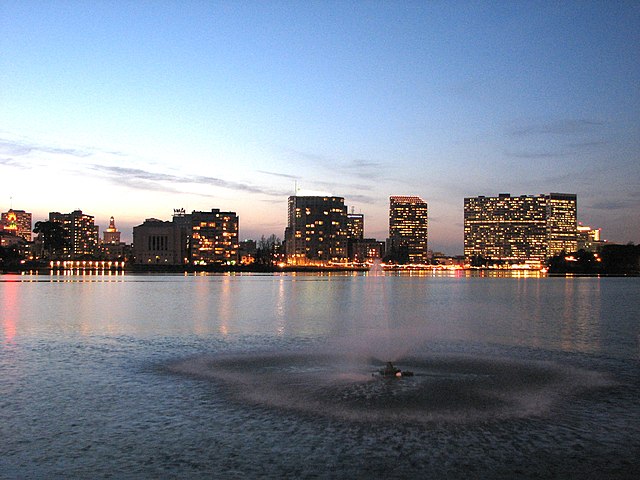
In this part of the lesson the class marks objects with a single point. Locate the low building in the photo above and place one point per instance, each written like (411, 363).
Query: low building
(158, 242)
(17, 222)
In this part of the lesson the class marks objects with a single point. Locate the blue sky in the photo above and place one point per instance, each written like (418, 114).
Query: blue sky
(133, 108)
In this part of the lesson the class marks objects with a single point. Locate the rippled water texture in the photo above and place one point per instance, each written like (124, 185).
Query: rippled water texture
(456, 389)
(127, 376)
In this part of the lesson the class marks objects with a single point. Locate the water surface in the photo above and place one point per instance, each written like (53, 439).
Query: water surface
(270, 376)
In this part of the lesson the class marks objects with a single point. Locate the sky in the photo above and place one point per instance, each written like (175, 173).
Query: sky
(134, 108)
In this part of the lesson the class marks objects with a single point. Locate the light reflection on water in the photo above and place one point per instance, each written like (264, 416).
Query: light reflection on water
(573, 314)
(86, 389)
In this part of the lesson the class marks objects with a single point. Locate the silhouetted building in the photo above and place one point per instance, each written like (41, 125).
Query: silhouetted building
(81, 233)
(247, 250)
(157, 242)
(316, 230)
(523, 229)
(408, 228)
(365, 249)
(17, 222)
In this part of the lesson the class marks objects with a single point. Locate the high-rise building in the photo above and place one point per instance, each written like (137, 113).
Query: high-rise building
(562, 223)
(213, 237)
(81, 233)
(17, 222)
(111, 235)
(408, 227)
(522, 229)
(355, 226)
(316, 230)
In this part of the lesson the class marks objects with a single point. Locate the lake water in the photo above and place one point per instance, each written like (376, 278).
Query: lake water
(274, 376)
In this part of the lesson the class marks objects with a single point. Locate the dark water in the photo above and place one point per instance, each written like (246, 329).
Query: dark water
(271, 377)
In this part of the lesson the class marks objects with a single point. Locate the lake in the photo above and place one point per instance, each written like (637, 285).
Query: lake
(276, 376)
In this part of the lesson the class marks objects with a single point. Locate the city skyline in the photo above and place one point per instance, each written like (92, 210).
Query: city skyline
(132, 110)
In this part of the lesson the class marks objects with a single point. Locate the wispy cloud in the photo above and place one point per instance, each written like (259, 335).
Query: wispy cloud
(148, 180)
(21, 148)
(570, 126)
(356, 167)
(282, 175)
(534, 155)
(610, 205)
(366, 199)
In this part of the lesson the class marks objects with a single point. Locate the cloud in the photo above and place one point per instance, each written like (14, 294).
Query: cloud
(357, 167)
(534, 155)
(21, 148)
(11, 162)
(610, 205)
(148, 180)
(560, 127)
(362, 199)
(283, 175)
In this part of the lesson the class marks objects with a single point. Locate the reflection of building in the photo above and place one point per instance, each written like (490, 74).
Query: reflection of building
(111, 235)
(408, 227)
(316, 230)
(199, 238)
(17, 222)
(589, 239)
(81, 233)
(506, 229)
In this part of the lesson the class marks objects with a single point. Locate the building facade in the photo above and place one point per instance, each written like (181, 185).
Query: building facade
(198, 239)
(409, 227)
(81, 233)
(17, 222)
(589, 239)
(316, 230)
(521, 229)
(213, 238)
(158, 242)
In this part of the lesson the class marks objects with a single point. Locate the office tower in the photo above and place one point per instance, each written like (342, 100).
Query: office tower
(81, 233)
(523, 229)
(562, 223)
(17, 222)
(408, 228)
(355, 226)
(213, 238)
(316, 230)
(111, 235)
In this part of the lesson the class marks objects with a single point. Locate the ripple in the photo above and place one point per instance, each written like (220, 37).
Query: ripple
(445, 388)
